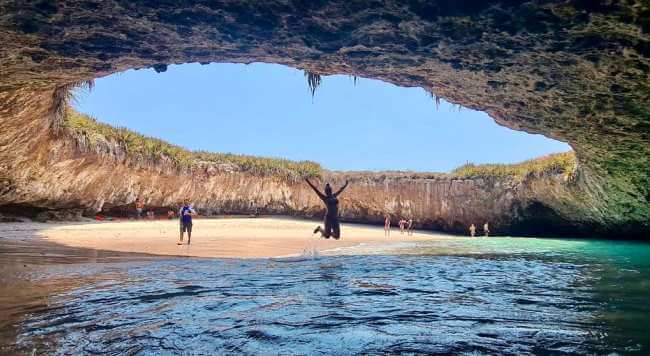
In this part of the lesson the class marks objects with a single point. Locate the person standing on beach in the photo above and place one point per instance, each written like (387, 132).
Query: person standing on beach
(387, 225)
(472, 230)
(139, 207)
(331, 226)
(402, 224)
(409, 227)
(185, 213)
(486, 229)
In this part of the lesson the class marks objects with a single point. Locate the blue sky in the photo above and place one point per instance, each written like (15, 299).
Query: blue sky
(267, 110)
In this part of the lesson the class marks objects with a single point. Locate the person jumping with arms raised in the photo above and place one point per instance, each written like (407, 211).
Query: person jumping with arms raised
(331, 225)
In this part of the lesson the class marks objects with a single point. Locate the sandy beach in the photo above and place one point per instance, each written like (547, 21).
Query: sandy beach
(226, 238)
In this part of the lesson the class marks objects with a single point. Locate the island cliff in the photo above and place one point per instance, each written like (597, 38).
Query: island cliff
(91, 168)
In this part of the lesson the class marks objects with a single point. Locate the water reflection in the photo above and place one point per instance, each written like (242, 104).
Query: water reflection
(509, 296)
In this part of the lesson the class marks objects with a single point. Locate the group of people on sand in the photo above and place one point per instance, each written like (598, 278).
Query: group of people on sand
(331, 226)
(405, 225)
(486, 230)
(140, 212)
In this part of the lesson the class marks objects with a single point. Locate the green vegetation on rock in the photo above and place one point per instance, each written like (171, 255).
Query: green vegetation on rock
(95, 133)
(558, 163)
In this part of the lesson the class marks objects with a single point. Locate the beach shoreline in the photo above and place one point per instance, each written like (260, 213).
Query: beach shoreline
(240, 237)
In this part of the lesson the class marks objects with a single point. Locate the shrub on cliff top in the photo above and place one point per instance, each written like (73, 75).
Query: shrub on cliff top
(559, 163)
(150, 148)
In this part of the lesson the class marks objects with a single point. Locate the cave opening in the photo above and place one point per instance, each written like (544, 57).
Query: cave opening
(267, 110)
(536, 218)
(565, 70)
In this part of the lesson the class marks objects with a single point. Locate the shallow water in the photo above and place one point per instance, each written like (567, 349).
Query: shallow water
(497, 295)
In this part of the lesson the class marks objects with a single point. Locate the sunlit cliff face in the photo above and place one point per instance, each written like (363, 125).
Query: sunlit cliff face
(575, 71)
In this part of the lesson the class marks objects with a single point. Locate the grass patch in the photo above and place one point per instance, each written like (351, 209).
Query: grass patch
(153, 149)
(558, 163)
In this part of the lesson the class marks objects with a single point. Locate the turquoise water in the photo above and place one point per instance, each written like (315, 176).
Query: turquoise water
(497, 295)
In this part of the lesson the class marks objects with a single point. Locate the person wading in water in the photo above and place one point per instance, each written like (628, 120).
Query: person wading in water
(331, 222)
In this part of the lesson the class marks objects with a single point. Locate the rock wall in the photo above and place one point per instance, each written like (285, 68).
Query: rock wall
(573, 70)
(59, 176)
(67, 178)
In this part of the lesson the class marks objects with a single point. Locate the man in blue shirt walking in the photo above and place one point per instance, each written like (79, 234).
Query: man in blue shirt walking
(185, 213)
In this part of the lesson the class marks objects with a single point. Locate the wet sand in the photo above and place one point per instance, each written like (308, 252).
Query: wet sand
(226, 238)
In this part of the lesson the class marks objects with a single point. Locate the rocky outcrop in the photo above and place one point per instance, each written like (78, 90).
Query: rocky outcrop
(65, 173)
(572, 70)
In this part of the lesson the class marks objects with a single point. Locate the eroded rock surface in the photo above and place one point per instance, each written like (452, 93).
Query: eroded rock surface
(576, 71)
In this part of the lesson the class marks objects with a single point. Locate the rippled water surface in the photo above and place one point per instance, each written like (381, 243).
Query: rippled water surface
(501, 295)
